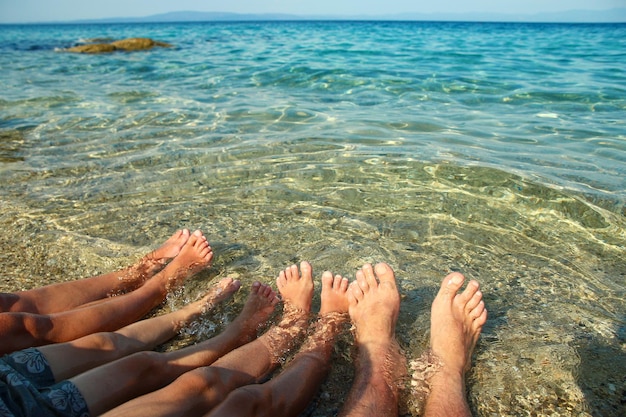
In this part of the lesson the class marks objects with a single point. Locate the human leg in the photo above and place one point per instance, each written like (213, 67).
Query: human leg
(288, 393)
(374, 308)
(456, 322)
(198, 391)
(72, 358)
(120, 381)
(69, 295)
(21, 330)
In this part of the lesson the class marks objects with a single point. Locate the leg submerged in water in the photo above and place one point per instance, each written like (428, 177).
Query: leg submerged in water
(69, 295)
(72, 358)
(198, 391)
(127, 379)
(290, 392)
(380, 365)
(22, 330)
(456, 322)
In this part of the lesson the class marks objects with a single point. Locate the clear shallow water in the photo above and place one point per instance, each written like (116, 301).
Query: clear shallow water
(496, 150)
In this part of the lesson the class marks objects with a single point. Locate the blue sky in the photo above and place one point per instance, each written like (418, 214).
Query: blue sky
(25, 11)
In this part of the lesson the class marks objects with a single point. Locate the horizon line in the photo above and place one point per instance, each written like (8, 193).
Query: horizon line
(189, 16)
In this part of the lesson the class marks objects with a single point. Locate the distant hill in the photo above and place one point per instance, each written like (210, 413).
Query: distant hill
(573, 16)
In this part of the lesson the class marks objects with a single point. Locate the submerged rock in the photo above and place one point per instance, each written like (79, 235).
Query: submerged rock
(130, 44)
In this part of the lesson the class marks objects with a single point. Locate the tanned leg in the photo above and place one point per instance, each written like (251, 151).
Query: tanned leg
(22, 330)
(116, 383)
(456, 322)
(291, 391)
(69, 295)
(72, 358)
(374, 307)
(199, 391)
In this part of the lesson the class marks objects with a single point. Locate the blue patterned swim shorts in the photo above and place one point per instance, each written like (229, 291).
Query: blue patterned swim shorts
(27, 388)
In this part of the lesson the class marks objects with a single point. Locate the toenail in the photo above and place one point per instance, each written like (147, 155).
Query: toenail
(456, 279)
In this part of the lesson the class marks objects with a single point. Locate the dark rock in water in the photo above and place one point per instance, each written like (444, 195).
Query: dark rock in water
(130, 44)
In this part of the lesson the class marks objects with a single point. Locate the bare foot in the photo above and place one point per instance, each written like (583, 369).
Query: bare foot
(374, 303)
(259, 306)
(170, 248)
(380, 366)
(456, 322)
(296, 289)
(219, 292)
(195, 255)
(151, 263)
(334, 294)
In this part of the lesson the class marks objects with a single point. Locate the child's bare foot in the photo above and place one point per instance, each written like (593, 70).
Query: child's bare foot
(195, 255)
(152, 263)
(296, 289)
(334, 294)
(170, 248)
(219, 292)
(258, 308)
(374, 303)
(456, 322)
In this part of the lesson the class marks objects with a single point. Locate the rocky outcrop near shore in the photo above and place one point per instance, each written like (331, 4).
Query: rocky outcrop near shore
(126, 45)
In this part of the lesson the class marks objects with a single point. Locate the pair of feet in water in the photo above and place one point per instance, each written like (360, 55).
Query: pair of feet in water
(372, 301)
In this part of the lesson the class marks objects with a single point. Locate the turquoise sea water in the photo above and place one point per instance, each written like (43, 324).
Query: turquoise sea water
(497, 150)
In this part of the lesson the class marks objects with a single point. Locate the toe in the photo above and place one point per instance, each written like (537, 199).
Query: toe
(281, 280)
(451, 284)
(343, 286)
(361, 281)
(385, 274)
(370, 278)
(474, 301)
(467, 294)
(355, 292)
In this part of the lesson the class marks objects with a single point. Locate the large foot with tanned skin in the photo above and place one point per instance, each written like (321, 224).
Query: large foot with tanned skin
(374, 304)
(456, 322)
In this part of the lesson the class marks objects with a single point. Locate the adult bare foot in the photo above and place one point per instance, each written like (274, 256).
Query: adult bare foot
(195, 255)
(374, 307)
(296, 289)
(456, 322)
(334, 294)
(374, 303)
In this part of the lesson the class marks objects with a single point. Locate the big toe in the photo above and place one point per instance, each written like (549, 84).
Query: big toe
(385, 274)
(450, 285)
